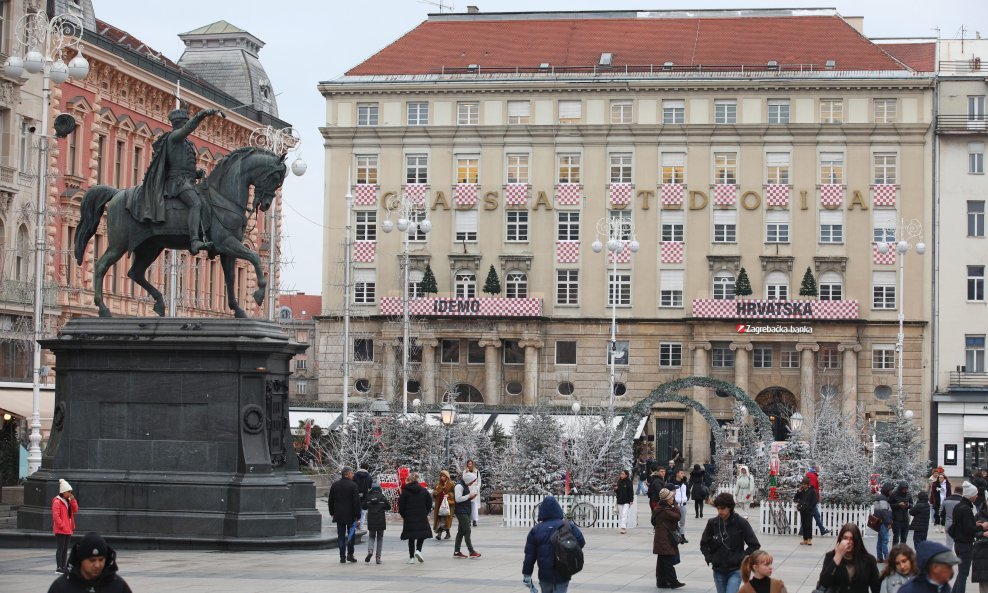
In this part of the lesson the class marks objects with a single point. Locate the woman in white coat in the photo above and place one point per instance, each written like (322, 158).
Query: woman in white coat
(474, 489)
(744, 489)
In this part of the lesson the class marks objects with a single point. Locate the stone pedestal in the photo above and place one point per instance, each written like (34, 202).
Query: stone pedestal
(174, 429)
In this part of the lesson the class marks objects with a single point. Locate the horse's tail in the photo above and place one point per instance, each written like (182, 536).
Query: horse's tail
(93, 204)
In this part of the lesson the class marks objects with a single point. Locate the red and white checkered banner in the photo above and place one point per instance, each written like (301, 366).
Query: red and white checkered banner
(568, 194)
(883, 195)
(567, 252)
(453, 307)
(672, 194)
(831, 194)
(622, 256)
(883, 259)
(516, 194)
(416, 193)
(620, 193)
(725, 194)
(364, 251)
(465, 194)
(763, 309)
(365, 194)
(671, 252)
(777, 194)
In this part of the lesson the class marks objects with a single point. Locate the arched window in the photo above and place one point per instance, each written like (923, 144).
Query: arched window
(831, 287)
(465, 284)
(516, 285)
(724, 286)
(284, 313)
(22, 255)
(776, 286)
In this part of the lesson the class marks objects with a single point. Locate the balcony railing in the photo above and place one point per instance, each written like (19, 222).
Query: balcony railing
(21, 292)
(960, 66)
(962, 124)
(965, 380)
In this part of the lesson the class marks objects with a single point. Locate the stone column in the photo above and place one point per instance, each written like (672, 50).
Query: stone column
(492, 367)
(428, 369)
(531, 389)
(742, 363)
(807, 368)
(699, 443)
(850, 383)
(391, 367)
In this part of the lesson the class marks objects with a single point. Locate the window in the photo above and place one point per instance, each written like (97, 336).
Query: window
(364, 287)
(565, 352)
(673, 167)
(828, 359)
(831, 287)
(418, 113)
(365, 228)
(27, 144)
(621, 112)
(831, 168)
(724, 286)
(475, 354)
(518, 168)
(621, 219)
(726, 167)
(363, 350)
(366, 114)
(619, 288)
(100, 152)
(516, 285)
(465, 225)
(417, 216)
(788, 358)
(778, 111)
(831, 226)
(137, 166)
(976, 108)
(569, 168)
(975, 218)
(883, 290)
(831, 111)
(721, 357)
(725, 111)
(513, 353)
(673, 111)
(976, 158)
(118, 164)
(567, 225)
(619, 351)
(883, 357)
(777, 168)
(777, 226)
(762, 357)
(885, 111)
(449, 351)
(300, 364)
(725, 226)
(670, 354)
(517, 226)
(620, 167)
(465, 285)
(570, 112)
(467, 113)
(415, 284)
(883, 226)
(672, 225)
(367, 169)
(73, 155)
(416, 168)
(671, 288)
(976, 283)
(885, 168)
(974, 354)
(467, 169)
(519, 112)
(567, 287)
(776, 286)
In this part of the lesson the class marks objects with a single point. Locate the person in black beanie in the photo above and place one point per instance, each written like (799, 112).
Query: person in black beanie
(92, 567)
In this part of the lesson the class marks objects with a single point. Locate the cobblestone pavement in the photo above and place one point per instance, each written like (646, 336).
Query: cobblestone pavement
(614, 562)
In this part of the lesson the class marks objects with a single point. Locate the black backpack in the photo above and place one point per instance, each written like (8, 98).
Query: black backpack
(567, 555)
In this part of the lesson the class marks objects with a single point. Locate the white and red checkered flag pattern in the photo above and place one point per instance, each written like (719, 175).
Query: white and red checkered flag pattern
(416, 193)
(725, 194)
(883, 195)
(764, 309)
(364, 251)
(567, 252)
(671, 252)
(620, 194)
(777, 194)
(622, 256)
(453, 307)
(516, 194)
(365, 194)
(465, 194)
(672, 194)
(568, 194)
(831, 194)
(884, 259)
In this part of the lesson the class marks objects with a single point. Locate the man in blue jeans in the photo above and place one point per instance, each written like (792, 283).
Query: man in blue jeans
(726, 540)
(539, 549)
(883, 511)
(344, 506)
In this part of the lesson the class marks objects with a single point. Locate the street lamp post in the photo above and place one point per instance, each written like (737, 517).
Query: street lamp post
(44, 42)
(448, 416)
(620, 235)
(406, 210)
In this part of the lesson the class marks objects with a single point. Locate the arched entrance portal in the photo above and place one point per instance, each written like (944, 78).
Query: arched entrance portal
(466, 393)
(778, 403)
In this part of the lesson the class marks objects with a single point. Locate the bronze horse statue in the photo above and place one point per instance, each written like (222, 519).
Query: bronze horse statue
(225, 192)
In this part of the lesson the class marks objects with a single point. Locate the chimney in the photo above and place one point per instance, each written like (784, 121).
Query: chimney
(472, 10)
(857, 22)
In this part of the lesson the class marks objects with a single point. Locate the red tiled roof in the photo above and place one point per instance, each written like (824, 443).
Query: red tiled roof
(121, 37)
(578, 42)
(303, 306)
(918, 56)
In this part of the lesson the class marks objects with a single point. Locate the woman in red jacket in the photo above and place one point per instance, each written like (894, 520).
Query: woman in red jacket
(63, 510)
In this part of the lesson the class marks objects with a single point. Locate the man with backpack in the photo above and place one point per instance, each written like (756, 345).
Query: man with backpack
(557, 545)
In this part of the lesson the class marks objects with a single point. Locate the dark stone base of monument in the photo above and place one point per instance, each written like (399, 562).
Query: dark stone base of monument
(174, 432)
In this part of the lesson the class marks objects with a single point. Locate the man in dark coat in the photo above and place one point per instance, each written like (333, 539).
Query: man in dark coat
(980, 481)
(344, 506)
(965, 528)
(901, 502)
(538, 548)
(726, 540)
(936, 564)
(656, 482)
(92, 568)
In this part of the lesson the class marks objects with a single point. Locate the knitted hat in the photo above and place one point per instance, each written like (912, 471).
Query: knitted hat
(666, 495)
(89, 546)
(64, 487)
(469, 477)
(969, 489)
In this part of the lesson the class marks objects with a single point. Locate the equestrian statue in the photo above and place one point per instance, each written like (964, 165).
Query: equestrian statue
(179, 207)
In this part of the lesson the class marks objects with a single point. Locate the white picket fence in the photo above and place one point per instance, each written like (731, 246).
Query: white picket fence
(519, 510)
(833, 516)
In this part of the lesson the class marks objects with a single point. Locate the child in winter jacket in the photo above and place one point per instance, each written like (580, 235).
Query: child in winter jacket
(376, 505)
(920, 525)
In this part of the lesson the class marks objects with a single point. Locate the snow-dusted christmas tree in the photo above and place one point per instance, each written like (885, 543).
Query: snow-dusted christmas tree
(593, 452)
(428, 285)
(843, 464)
(534, 463)
(901, 453)
(795, 460)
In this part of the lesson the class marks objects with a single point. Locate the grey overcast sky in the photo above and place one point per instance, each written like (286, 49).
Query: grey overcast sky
(320, 39)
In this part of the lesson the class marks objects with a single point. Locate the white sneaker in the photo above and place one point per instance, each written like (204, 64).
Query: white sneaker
(411, 561)
(418, 556)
